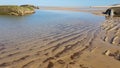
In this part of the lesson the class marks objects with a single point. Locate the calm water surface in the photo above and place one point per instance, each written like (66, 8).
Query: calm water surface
(42, 23)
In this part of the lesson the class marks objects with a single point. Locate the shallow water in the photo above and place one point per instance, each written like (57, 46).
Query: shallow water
(40, 24)
(61, 38)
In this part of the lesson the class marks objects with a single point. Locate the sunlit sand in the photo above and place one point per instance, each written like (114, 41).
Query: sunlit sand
(71, 43)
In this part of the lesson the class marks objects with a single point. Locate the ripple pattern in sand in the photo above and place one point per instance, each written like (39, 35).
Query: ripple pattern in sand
(70, 41)
(112, 30)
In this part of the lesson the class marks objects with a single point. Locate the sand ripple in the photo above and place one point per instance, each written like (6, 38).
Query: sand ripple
(78, 45)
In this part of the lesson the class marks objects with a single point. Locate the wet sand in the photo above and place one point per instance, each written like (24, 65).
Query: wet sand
(76, 44)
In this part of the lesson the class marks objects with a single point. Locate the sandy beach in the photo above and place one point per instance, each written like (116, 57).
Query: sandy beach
(75, 44)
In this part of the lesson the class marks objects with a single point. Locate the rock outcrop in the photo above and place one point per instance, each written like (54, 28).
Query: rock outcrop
(107, 52)
(17, 10)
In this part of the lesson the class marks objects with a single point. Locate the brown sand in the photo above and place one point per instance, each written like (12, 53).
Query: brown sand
(77, 46)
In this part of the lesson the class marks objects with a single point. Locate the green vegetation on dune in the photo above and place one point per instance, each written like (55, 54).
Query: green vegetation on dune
(17, 10)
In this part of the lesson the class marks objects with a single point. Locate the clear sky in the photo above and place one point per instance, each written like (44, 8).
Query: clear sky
(61, 2)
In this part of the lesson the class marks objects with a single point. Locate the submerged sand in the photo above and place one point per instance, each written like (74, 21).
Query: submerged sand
(81, 45)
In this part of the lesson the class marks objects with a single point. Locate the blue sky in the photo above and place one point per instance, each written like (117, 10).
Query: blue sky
(61, 2)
